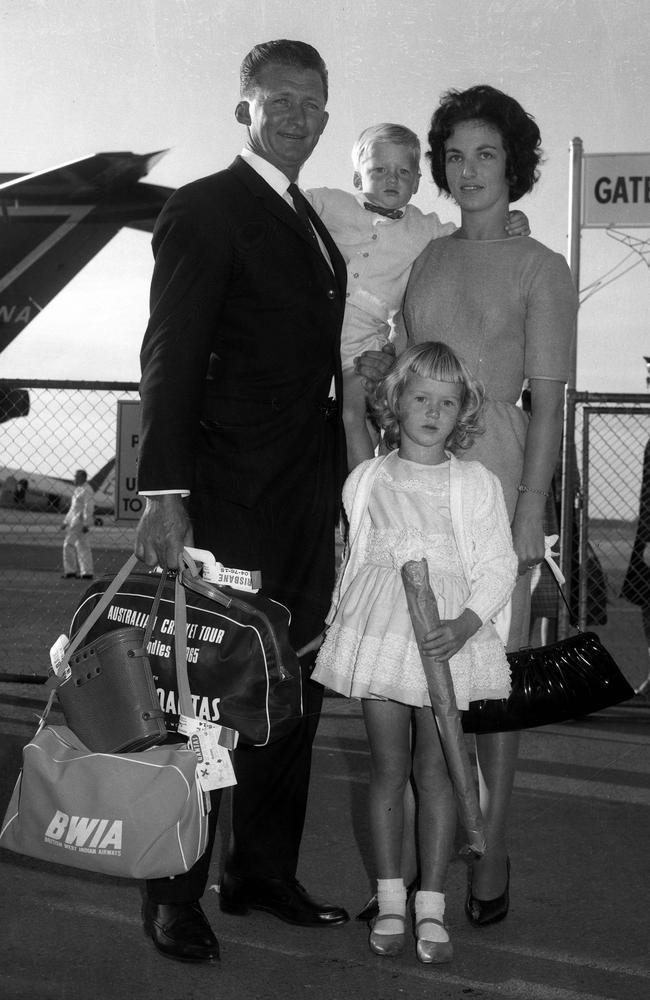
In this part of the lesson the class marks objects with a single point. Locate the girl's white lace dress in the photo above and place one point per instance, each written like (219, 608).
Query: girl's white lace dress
(369, 650)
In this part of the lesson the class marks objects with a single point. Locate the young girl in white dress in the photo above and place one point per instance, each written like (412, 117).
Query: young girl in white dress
(416, 501)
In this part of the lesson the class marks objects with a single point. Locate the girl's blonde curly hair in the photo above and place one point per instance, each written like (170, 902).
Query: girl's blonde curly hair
(430, 359)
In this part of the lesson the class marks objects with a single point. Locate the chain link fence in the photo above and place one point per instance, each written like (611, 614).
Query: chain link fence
(606, 530)
(50, 429)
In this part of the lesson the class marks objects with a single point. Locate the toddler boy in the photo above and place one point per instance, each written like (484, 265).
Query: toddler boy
(380, 235)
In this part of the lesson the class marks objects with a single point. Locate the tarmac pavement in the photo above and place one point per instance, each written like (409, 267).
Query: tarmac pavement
(578, 926)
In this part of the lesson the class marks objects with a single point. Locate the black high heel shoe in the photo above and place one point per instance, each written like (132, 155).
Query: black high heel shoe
(487, 911)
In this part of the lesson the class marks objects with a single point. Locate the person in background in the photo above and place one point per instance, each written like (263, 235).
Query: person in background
(77, 553)
(20, 493)
(242, 451)
(379, 234)
(419, 501)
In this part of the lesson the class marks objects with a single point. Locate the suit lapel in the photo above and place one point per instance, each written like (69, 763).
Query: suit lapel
(282, 211)
(273, 202)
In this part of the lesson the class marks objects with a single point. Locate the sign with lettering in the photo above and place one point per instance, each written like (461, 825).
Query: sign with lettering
(128, 505)
(616, 190)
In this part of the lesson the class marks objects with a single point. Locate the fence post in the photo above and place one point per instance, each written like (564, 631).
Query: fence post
(567, 506)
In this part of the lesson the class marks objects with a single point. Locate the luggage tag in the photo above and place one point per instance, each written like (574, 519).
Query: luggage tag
(211, 743)
(224, 576)
(57, 657)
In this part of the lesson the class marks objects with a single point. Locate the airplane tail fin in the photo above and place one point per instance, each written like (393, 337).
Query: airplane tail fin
(103, 479)
(52, 223)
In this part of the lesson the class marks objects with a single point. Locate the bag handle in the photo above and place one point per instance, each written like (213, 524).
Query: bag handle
(227, 737)
(181, 647)
(558, 576)
(185, 704)
(101, 606)
(154, 610)
(57, 679)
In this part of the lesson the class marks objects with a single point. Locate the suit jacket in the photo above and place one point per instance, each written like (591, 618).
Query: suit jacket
(243, 337)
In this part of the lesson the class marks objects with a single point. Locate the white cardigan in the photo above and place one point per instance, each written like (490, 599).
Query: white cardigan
(481, 530)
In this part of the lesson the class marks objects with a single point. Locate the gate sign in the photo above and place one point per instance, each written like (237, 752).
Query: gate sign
(128, 505)
(616, 190)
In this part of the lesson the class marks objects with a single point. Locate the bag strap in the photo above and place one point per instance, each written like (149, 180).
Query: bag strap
(227, 737)
(185, 704)
(55, 681)
(180, 631)
(558, 577)
(154, 610)
(101, 606)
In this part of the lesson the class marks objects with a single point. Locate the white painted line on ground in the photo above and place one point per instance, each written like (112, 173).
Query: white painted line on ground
(582, 788)
(574, 733)
(133, 920)
(516, 988)
(566, 958)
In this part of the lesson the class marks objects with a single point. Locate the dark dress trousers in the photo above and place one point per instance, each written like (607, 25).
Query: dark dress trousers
(238, 361)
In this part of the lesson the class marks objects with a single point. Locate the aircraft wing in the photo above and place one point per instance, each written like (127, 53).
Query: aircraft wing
(52, 223)
(82, 180)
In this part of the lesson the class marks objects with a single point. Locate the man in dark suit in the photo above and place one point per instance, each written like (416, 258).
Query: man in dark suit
(242, 449)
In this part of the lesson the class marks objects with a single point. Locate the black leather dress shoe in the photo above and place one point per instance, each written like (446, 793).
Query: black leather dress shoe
(481, 912)
(284, 898)
(180, 931)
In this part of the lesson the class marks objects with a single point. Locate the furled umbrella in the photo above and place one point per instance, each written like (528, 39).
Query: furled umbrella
(423, 610)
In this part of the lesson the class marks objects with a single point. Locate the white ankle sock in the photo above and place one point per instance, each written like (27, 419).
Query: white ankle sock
(430, 904)
(391, 898)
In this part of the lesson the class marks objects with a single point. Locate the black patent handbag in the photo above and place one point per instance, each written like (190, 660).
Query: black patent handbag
(564, 680)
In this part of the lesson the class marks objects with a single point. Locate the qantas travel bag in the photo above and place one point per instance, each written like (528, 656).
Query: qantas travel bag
(243, 672)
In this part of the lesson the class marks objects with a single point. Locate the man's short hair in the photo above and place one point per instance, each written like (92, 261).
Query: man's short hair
(283, 52)
(386, 132)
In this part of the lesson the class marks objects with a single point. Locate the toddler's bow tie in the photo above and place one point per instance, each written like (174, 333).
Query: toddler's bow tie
(390, 213)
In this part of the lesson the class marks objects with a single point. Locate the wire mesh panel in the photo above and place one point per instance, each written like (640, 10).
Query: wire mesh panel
(48, 432)
(613, 451)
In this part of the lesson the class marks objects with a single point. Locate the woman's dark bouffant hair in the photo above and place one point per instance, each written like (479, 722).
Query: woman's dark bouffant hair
(519, 133)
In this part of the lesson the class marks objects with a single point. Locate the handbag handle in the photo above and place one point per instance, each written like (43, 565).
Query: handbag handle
(558, 576)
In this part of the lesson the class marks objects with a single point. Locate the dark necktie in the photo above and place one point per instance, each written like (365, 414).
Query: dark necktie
(300, 206)
(390, 213)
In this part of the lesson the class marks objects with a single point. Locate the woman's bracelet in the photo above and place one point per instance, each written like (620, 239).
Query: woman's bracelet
(522, 488)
